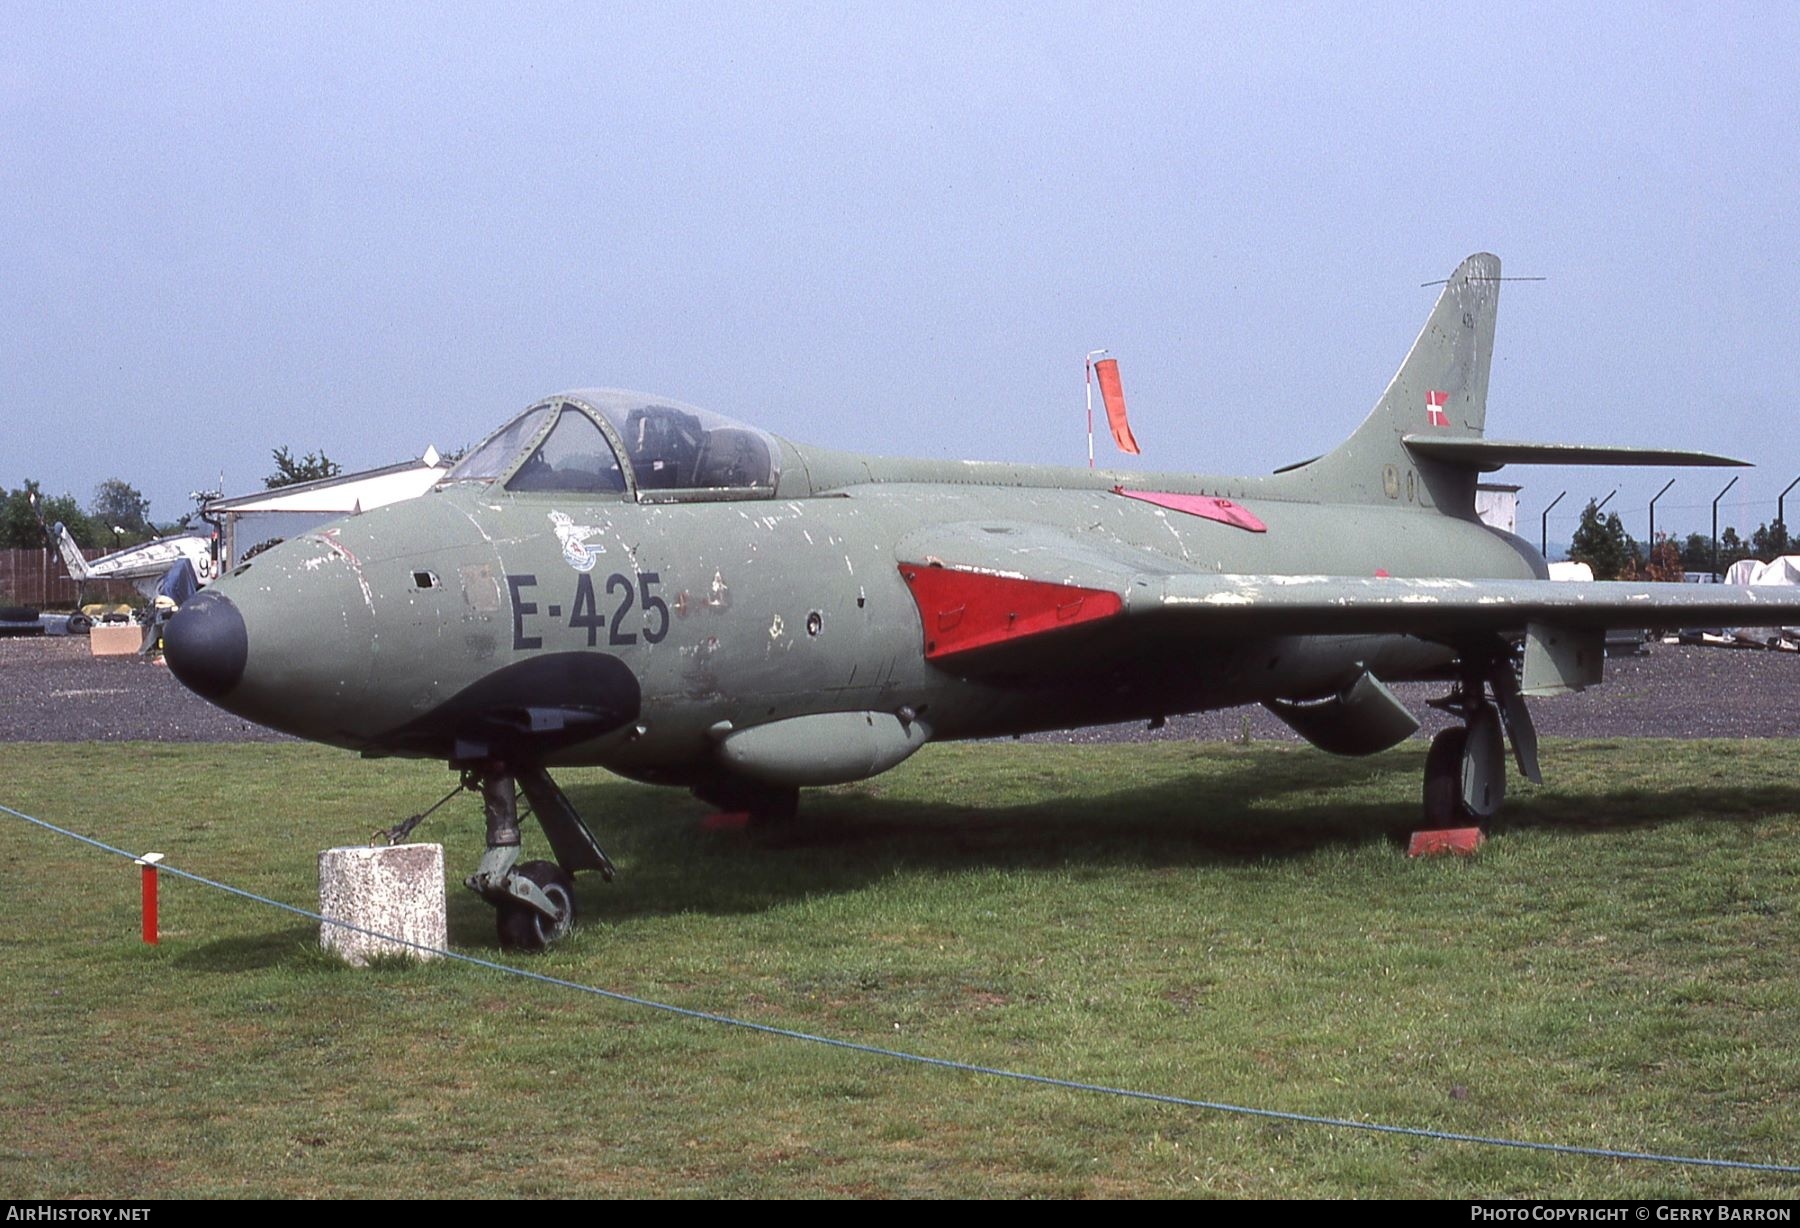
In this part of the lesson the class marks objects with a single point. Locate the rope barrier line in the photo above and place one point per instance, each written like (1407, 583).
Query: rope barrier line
(994, 1072)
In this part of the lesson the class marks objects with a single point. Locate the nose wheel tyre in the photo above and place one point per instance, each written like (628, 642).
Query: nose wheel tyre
(523, 928)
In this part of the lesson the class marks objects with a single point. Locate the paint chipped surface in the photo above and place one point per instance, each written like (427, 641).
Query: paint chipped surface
(481, 589)
(718, 594)
(699, 676)
(329, 539)
(1430, 606)
(999, 573)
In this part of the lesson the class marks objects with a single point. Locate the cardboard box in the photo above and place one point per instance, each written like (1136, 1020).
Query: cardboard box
(115, 639)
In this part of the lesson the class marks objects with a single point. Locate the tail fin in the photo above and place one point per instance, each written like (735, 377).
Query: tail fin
(1439, 391)
(72, 557)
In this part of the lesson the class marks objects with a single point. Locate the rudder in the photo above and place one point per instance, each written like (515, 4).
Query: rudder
(71, 553)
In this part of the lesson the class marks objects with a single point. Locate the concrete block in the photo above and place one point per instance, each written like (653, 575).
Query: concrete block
(115, 639)
(396, 890)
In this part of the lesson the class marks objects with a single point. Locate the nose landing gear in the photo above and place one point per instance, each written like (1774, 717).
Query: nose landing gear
(534, 903)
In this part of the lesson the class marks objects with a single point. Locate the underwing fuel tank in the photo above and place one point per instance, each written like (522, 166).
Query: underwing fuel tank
(1363, 718)
(824, 749)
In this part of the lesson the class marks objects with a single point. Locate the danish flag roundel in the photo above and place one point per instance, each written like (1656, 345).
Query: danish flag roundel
(1434, 408)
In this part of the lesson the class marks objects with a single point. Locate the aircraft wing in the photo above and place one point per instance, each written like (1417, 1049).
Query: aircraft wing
(1448, 608)
(983, 586)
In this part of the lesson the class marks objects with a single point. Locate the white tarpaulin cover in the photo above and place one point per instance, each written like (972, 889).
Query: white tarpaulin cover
(1569, 570)
(1784, 570)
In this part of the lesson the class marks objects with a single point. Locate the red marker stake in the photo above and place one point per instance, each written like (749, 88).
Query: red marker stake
(148, 861)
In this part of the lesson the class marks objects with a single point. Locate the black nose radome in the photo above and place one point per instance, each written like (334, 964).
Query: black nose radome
(205, 644)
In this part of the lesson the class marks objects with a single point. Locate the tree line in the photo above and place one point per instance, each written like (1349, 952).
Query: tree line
(1613, 554)
(118, 515)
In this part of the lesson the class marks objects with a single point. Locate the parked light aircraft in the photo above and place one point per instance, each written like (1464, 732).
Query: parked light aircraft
(144, 564)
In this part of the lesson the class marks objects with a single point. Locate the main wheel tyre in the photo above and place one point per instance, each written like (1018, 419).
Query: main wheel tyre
(1443, 780)
(523, 928)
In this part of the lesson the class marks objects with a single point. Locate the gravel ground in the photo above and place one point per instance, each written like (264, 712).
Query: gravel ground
(53, 690)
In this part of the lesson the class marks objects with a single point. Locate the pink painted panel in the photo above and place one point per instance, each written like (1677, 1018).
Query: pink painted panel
(1207, 506)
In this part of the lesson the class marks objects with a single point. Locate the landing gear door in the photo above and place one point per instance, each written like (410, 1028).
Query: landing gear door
(1484, 764)
(1561, 659)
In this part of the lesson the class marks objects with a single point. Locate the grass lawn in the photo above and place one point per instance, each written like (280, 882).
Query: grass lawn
(1616, 969)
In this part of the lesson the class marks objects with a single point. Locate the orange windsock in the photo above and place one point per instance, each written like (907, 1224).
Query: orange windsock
(1114, 395)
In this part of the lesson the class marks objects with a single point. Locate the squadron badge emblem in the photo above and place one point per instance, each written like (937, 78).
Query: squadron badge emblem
(577, 551)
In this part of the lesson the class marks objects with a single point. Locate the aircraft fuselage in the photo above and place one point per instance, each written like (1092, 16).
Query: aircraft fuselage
(672, 618)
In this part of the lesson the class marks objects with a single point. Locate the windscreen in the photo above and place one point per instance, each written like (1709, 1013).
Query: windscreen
(574, 457)
(496, 452)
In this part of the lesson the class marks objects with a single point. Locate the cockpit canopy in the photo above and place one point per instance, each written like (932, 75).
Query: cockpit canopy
(575, 443)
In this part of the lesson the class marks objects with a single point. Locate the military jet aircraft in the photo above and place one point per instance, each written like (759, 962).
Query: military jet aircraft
(620, 580)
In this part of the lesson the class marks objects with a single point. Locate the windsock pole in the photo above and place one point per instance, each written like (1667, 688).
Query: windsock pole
(1092, 354)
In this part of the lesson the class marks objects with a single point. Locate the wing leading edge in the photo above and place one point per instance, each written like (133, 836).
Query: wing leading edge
(982, 587)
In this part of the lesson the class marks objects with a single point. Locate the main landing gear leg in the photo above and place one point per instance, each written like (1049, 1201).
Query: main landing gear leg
(534, 903)
(1465, 771)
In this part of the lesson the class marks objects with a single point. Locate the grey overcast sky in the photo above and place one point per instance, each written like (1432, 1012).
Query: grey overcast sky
(891, 227)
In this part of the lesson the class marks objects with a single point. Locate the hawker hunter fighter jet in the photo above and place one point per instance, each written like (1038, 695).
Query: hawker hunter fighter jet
(617, 579)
